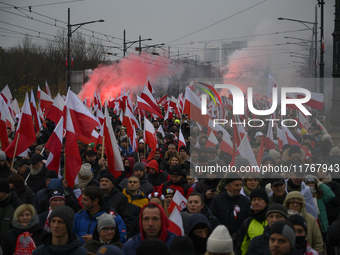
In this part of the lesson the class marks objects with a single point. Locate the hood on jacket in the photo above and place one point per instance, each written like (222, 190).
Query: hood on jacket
(164, 220)
(302, 155)
(153, 164)
(296, 195)
(196, 219)
(132, 162)
(55, 183)
(72, 244)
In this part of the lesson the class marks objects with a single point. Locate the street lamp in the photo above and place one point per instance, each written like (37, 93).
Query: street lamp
(149, 46)
(314, 30)
(132, 42)
(69, 34)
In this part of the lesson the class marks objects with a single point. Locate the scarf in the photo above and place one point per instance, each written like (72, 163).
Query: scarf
(200, 243)
(47, 224)
(34, 221)
(292, 187)
(82, 183)
(246, 191)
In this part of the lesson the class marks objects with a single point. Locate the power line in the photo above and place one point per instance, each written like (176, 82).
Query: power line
(39, 5)
(218, 22)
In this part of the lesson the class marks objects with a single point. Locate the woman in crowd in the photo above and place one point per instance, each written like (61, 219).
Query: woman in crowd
(251, 181)
(26, 233)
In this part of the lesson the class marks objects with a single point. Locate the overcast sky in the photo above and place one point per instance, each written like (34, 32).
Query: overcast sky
(169, 21)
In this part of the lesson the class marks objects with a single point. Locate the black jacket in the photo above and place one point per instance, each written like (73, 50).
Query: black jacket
(157, 179)
(204, 185)
(222, 206)
(5, 172)
(26, 195)
(116, 199)
(259, 244)
(214, 222)
(36, 182)
(332, 207)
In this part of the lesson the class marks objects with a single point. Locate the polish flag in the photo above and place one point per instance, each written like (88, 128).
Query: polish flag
(150, 137)
(181, 140)
(72, 157)
(143, 105)
(128, 115)
(269, 141)
(316, 101)
(162, 100)
(127, 123)
(271, 84)
(324, 130)
(46, 101)
(291, 140)
(191, 86)
(175, 105)
(56, 111)
(260, 153)
(6, 94)
(160, 130)
(302, 120)
(25, 132)
(246, 151)
(114, 160)
(192, 107)
(99, 103)
(169, 114)
(176, 218)
(87, 140)
(15, 108)
(134, 142)
(100, 116)
(226, 144)
(150, 87)
(34, 111)
(147, 96)
(212, 140)
(281, 137)
(83, 120)
(54, 145)
(4, 112)
(178, 201)
(47, 89)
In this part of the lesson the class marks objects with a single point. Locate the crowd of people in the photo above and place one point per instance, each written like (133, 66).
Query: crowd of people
(238, 213)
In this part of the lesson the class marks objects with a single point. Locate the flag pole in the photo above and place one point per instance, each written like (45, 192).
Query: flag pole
(103, 146)
(15, 150)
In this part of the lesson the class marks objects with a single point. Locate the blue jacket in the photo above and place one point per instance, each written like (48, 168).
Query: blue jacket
(130, 247)
(85, 224)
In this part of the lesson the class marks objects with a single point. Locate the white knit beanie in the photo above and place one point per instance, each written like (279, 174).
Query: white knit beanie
(220, 241)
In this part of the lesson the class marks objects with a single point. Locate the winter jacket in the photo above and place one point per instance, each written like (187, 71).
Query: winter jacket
(204, 185)
(223, 207)
(5, 172)
(314, 237)
(26, 195)
(73, 247)
(7, 208)
(214, 222)
(85, 224)
(333, 206)
(117, 200)
(250, 228)
(34, 228)
(327, 196)
(38, 181)
(136, 202)
(166, 236)
(94, 244)
(259, 244)
(279, 200)
(159, 177)
(54, 183)
(145, 185)
(183, 187)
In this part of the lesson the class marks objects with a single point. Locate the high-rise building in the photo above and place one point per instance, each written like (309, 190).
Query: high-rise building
(211, 54)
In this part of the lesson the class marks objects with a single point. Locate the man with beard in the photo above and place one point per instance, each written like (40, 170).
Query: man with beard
(282, 238)
(301, 244)
(36, 176)
(198, 230)
(91, 158)
(194, 155)
(140, 154)
(255, 224)
(4, 169)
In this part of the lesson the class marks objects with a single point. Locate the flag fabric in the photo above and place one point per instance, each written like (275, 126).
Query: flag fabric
(4, 112)
(281, 137)
(54, 145)
(134, 142)
(178, 201)
(212, 140)
(45, 102)
(72, 156)
(150, 138)
(83, 120)
(114, 160)
(150, 86)
(260, 153)
(324, 130)
(176, 218)
(57, 108)
(316, 101)
(34, 112)
(6, 94)
(47, 89)
(147, 96)
(181, 140)
(246, 151)
(143, 105)
(269, 141)
(271, 84)
(25, 131)
(291, 140)
(160, 130)
(226, 144)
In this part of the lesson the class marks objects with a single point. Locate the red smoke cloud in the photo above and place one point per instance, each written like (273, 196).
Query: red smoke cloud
(130, 73)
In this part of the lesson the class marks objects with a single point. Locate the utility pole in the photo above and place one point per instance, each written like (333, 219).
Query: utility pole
(169, 52)
(322, 64)
(124, 43)
(140, 44)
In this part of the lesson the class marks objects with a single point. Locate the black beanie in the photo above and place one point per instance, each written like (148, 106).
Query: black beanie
(232, 177)
(51, 174)
(181, 245)
(284, 228)
(298, 220)
(277, 208)
(108, 176)
(176, 170)
(66, 213)
(259, 193)
(293, 149)
(152, 247)
(4, 185)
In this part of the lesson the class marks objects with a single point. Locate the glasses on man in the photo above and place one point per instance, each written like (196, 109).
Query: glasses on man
(107, 230)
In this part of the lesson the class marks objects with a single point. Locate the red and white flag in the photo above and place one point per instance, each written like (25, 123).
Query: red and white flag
(269, 141)
(6, 94)
(47, 89)
(143, 105)
(35, 114)
(148, 97)
(246, 151)
(181, 140)
(54, 145)
(150, 86)
(176, 218)
(281, 137)
(4, 112)
(56, 111)
(134, 142)
(178, 201)
(45, 101)
(316, 100)
(291, 140)
(271, 84)
(212, 140)
(226, 144)
(324, 130)
(72, 157)
(114, 160)
(160, 130)
(15, 108)
(150, 137)
(83, 120)
(25, 131)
